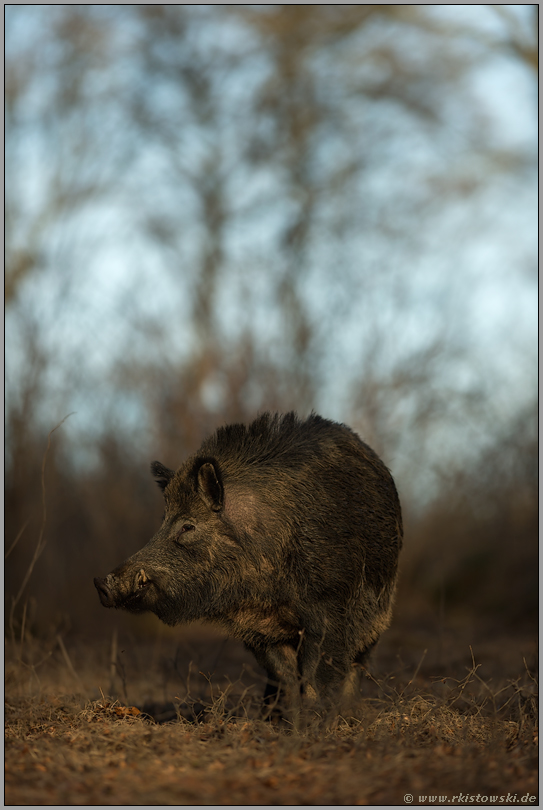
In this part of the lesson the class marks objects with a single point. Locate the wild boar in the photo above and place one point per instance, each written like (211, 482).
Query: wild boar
(286, 534)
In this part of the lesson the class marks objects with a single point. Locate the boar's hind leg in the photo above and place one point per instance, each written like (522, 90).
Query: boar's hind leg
(283, 685)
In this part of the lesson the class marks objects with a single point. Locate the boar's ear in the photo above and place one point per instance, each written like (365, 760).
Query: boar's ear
(162, 474)
(209, 487)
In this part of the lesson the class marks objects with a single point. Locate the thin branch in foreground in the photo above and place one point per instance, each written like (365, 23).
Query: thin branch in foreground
(19, 535)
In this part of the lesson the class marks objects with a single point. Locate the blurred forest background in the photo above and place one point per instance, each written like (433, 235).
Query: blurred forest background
(213, 211)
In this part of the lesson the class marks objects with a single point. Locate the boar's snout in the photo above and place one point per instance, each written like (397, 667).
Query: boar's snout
(104, 592)
(125, 587)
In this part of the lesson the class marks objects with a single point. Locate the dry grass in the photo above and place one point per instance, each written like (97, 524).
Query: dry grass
(409, 733)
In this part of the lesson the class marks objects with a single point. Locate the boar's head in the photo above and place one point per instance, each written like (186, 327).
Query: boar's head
(183, 571)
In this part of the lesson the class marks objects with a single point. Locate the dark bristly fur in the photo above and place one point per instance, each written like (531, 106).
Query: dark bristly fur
(286, 533)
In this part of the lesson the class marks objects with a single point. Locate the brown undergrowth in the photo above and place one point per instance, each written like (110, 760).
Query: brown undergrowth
(440, 740)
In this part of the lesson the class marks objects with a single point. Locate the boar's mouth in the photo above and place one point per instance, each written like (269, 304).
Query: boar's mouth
(142, 581)
(142, 584)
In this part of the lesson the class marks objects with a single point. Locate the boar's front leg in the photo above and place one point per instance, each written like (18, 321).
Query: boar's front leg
(283, 685)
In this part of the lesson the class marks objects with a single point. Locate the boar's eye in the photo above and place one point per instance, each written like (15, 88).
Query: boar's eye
(186, 527)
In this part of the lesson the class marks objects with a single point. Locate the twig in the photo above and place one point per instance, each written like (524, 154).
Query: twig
(531, 677)
(416, 672)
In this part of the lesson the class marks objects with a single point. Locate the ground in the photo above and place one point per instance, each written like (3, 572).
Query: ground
(443, 718)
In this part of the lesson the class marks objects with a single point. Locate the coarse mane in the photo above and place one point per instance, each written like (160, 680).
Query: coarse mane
(267, 440)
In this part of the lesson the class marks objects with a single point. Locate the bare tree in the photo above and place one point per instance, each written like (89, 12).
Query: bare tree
(213, 210)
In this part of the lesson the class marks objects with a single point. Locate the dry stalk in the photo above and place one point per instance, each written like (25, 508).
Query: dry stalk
(41, 541)
(113, 662)
(68, 661)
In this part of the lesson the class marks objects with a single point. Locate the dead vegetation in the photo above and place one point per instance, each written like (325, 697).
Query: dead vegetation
(410, 732)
